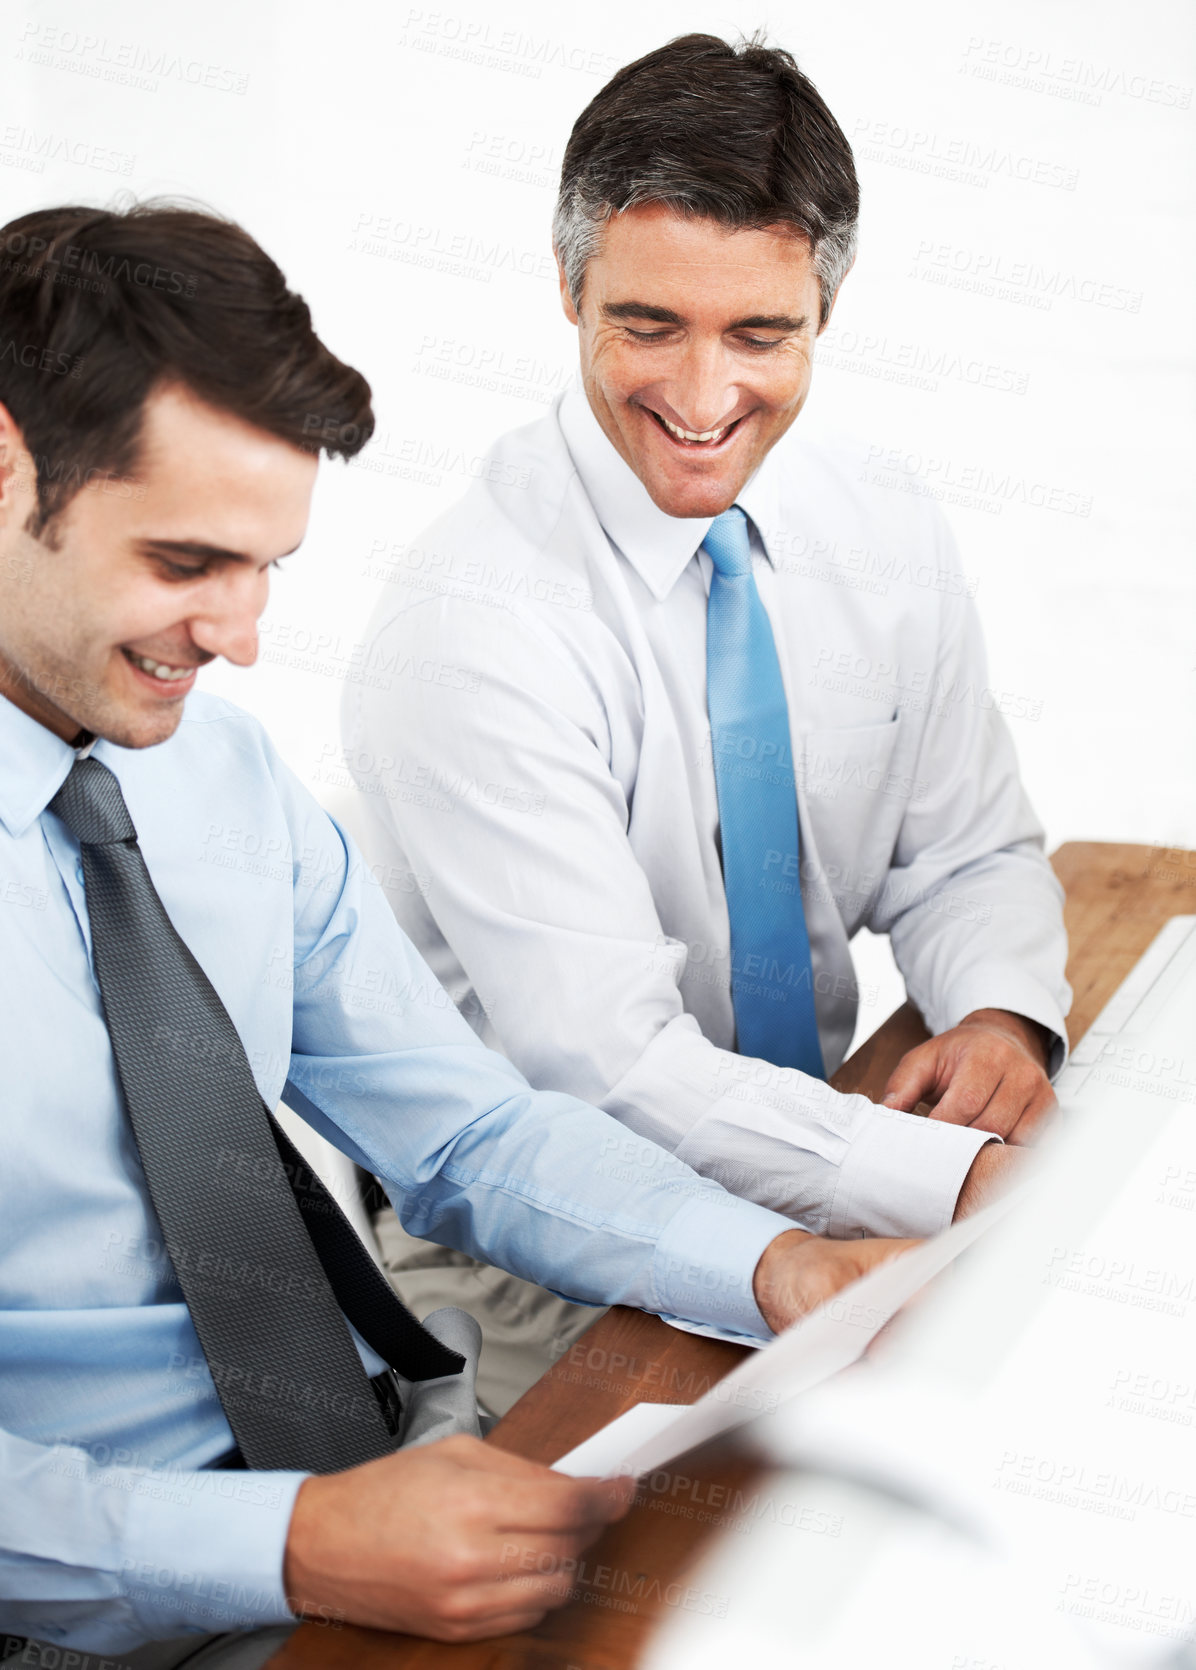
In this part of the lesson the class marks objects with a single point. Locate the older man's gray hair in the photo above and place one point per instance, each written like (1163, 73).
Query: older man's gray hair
(735, 134)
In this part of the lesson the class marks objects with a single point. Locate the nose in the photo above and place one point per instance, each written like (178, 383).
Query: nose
(703, 392)
(226, 624)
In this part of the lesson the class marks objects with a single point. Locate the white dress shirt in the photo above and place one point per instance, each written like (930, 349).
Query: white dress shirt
(530, 733)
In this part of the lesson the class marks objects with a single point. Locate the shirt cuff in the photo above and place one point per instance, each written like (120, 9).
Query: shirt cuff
(902, 1175)
(1019, 995)
(205, 1552)
(706, 1258)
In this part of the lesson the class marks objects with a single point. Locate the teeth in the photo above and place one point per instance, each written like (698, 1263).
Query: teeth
(688, 434)
(159, 669)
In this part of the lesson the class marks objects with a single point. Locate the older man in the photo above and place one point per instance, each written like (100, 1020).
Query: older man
(646, 827)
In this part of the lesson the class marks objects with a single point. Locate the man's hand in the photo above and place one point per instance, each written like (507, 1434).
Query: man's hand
(989, 1071)
(456, 1540)
(798, 1271)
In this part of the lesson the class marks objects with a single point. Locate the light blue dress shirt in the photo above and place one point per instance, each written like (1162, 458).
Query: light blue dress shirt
(111, 1530)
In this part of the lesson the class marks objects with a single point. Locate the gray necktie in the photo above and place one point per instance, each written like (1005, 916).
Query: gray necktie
(251, 1261)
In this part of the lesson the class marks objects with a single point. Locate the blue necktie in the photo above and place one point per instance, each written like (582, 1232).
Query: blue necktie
(772, 986)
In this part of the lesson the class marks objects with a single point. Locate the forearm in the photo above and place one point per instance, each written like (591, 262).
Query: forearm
(642, 1230)
(555, 1191)
(995, 1170)
(104, 1558)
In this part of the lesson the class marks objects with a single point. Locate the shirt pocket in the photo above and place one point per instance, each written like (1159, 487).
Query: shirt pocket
(854, 793)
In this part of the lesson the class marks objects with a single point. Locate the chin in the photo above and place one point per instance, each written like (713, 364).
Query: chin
(137, 730)
(692, 499)
(148, 732)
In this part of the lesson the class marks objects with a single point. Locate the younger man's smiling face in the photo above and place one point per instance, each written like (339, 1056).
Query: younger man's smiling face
(107, 617)
(696, 349)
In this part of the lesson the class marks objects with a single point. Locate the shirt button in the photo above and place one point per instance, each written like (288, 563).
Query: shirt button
(79, 871)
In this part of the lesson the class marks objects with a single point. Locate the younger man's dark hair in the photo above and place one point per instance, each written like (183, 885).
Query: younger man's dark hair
(98, 307)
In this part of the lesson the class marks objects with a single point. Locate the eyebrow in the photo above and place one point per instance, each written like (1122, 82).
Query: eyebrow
(666, 316)
(197, 549)
(770, 322)
(642, 310)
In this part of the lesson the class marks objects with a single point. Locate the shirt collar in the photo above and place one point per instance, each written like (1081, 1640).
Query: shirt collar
(657, 546)
(33, 767)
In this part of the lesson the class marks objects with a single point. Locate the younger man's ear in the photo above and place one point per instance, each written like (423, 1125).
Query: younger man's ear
(18, 487)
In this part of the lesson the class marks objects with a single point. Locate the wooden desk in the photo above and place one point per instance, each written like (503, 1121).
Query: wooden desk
(1118, 897)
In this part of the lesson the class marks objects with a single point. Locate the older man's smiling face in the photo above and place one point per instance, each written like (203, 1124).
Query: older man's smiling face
(696, 349)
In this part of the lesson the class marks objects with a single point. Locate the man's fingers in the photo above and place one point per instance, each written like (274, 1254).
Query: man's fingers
(554, 1502)
(489, 1458)
(1021, 1119)
(531, 1497)
(546, 1581)
(543, 1551)
(508, 1623)
(1017, 1093)
(455, 1539)
(986, 1076)
(973, 1094)
(1034, 1117)
(516, 1578)
(915, 1076)
(490, 1610)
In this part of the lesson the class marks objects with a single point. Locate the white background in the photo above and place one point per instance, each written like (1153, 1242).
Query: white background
(1017, 335)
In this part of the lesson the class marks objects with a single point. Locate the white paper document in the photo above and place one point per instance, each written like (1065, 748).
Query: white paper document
(649, 1435)
(602, 1455)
